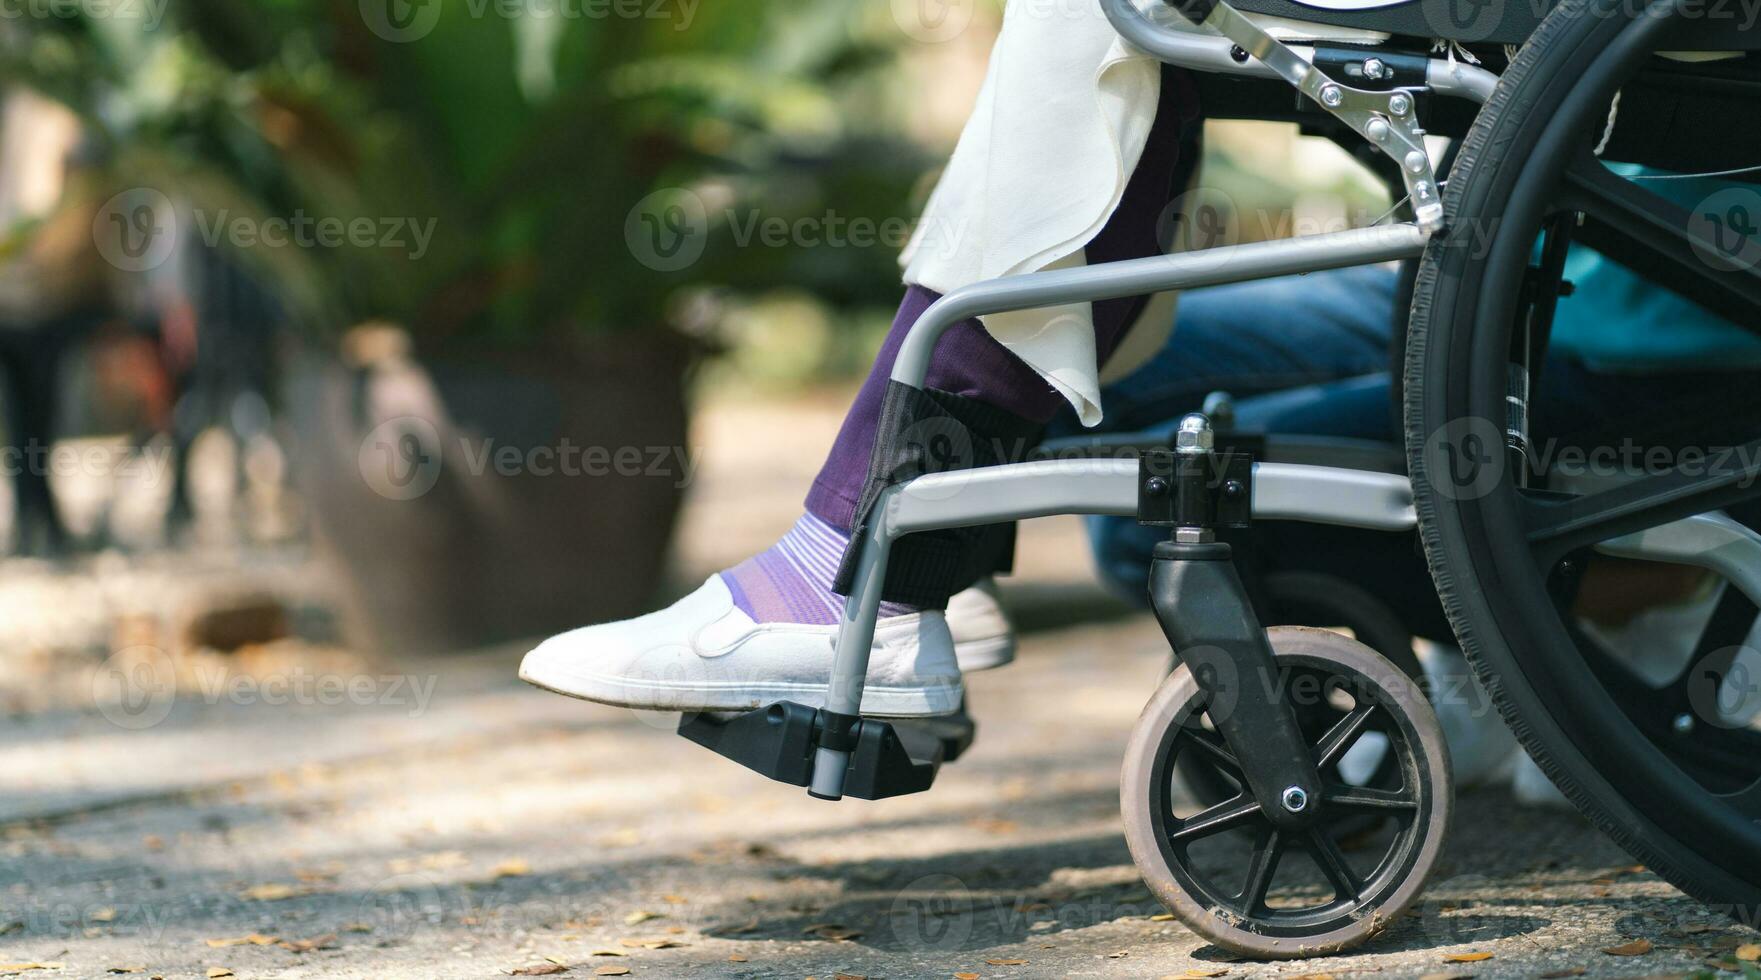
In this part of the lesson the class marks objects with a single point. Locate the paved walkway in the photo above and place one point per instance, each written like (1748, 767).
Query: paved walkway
(438, 819)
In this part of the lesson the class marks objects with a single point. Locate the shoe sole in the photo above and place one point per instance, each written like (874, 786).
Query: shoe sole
(994, 651)
(878, 702)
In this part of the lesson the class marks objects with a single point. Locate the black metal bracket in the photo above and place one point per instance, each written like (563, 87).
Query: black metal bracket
(1208, 490)
(887, 758)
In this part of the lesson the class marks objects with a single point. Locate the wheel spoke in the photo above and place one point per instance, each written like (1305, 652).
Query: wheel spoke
(1340, 737)
(1558, 524)
(1214, 820)
(1211, 746)
(1664, 241)
(1260, 869)
(1332, 863)
(1368, 798)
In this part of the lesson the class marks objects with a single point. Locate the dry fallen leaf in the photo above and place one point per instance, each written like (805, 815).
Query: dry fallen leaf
(611, 971)
(216, 972)
(673, 899)
(1466, 957)
(1637, 947)
(841, 975)
(965, 976)
(640, 916)
(103, 915)
(1119, 955)
(326, 941)
(254, 939)
(1005, 962)
(608, 952)
(835, 933)
(126, 969)
(1749, 951)
(1196, 974)
(21, 967)
(511, 869)
(1162, 917)
(539, 970)
(736, 958)
(357, 927)
(272, 892)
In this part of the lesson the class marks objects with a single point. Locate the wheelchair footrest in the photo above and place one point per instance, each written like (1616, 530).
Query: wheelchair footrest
(779, 740)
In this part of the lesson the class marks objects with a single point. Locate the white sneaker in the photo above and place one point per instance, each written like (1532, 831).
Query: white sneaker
(983, 636)
(703, 654)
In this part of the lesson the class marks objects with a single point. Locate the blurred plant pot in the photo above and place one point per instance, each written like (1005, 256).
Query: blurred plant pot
(475, 499)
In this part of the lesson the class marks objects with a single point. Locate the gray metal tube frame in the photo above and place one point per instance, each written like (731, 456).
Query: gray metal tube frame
(1047, 487)
(1210, 52)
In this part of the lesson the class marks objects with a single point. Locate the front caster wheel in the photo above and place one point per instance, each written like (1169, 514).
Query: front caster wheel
(1233, 877)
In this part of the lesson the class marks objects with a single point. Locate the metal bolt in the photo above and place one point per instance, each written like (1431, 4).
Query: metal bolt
(1421, 191)
(1155, 486)
(1683, 724)
(1416, 161)
(1376, 129)
(1233, 489)
(1194, 435)
(1238, 54)
(1331, 96)
(1294, 799)
(1399, 103)
(1374, 68)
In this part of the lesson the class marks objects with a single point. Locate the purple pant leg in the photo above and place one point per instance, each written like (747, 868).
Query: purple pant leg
(969, 362)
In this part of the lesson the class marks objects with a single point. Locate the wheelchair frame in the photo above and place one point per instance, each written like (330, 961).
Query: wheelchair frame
(1322, 494)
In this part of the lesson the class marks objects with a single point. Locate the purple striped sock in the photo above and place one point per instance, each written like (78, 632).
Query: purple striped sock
(791, 581)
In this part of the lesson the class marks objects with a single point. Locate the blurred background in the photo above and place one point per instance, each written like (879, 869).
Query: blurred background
(407, 325)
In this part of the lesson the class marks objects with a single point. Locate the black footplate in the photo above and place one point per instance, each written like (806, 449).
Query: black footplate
(889, 758)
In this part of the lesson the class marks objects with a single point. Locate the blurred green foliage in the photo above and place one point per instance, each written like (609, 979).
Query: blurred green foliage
(529, 136)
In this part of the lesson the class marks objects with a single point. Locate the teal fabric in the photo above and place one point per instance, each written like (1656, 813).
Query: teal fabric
(1616, 321)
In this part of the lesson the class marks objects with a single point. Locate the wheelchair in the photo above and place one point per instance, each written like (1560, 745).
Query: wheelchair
(1540, 103)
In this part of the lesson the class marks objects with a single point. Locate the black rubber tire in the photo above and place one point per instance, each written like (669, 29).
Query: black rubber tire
(1491, 592)
(1403, 871)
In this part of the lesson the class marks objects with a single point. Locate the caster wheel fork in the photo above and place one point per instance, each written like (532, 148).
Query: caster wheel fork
(1262, 888)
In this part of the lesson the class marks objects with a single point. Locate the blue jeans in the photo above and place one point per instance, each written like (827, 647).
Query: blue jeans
(1310, 355)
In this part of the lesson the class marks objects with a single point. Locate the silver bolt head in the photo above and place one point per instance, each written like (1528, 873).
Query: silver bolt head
(1194, 435)
(1373, 67)
(1399, 104)
(1416, 161)
(1376, 129)
(1683, 724)
(1331, 95)
(1294, 799)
